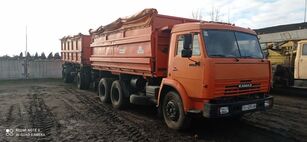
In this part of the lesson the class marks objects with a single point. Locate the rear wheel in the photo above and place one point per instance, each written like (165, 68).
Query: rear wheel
(83, 79)
(67, 78)
(118, 98)
(104, 88)
(173, 112)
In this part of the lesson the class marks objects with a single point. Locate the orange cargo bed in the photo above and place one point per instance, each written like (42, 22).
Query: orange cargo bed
(76, 49)
(135, 45)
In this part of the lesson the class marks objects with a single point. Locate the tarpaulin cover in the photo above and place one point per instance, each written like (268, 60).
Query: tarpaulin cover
(141, 19)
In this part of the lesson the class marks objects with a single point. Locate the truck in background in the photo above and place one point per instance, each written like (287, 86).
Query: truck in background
(75, 54)
(180, 65)
(286, 48)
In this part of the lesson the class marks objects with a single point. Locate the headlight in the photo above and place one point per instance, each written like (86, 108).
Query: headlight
(266, 103)
(224, 110)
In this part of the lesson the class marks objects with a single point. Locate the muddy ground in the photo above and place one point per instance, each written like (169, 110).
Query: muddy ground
(49, 110)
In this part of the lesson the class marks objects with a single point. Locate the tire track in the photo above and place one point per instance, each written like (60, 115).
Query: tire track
(41, 117)
(9, 117)
(117, 125)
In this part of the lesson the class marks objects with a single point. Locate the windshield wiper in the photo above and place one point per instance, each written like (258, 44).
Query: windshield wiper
(224, 56)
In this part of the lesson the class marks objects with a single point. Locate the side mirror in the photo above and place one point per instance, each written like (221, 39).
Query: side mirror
(186, 53)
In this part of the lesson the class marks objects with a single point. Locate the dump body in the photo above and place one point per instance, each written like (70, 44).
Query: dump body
(137, 45)
(76, 49)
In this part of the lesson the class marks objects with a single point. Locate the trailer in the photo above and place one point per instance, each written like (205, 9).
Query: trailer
(180, 65)
(75, 54)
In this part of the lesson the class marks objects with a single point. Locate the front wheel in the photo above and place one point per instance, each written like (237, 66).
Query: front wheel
(173, 112)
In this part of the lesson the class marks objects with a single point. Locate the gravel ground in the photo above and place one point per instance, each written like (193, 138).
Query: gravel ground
(49, 110)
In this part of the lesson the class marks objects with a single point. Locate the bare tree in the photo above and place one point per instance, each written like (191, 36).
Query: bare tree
(197, 14)
(215, 15)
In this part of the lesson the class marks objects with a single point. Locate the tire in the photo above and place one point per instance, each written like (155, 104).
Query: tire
(83, 80)
(118, 98)
(63, 73)
(104, 88)
(67, 78)
(173, 112)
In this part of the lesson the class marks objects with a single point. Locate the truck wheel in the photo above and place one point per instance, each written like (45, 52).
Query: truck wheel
(118, 97)
(63, 74)
(173, 112)
(104, 88)
(83, 81)
(67, 78)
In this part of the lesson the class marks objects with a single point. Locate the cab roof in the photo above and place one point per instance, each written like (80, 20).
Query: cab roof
(210, 25)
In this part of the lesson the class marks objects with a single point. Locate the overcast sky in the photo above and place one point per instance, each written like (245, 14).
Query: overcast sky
(49, 20)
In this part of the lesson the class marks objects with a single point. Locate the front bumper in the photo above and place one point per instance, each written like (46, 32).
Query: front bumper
(217, 110)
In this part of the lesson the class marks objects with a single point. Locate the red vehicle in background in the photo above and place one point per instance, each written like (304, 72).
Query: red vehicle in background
(75, 53)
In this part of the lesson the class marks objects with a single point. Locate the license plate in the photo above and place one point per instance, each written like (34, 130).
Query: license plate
(249, 107)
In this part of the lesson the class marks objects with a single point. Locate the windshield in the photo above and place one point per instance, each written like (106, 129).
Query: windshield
(222, 43)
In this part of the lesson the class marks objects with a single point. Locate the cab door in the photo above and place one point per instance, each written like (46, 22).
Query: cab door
(301, 61)
(188, 71)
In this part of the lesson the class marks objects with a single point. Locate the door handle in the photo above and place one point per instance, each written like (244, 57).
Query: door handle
(175, 69)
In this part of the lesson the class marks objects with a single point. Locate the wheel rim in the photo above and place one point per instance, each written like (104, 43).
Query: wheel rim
(172, 111)
(115, 95)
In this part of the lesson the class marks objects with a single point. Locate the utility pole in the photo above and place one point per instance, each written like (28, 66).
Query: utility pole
(305, 11)
(26, 54)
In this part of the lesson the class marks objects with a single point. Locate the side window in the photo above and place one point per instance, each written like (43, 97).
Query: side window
(304, 50)
(180, 44)
(180, 41)
(195, 50)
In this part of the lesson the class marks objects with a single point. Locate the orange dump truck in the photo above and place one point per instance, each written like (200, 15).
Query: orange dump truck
(180, 65)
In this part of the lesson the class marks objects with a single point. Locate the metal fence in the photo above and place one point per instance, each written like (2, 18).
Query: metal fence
(34, 69)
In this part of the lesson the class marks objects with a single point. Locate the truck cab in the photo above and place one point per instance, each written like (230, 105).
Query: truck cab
(300, 67)
(217, 69)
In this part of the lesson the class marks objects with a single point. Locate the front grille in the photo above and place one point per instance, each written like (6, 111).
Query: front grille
(242, 87)
(234, 89)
